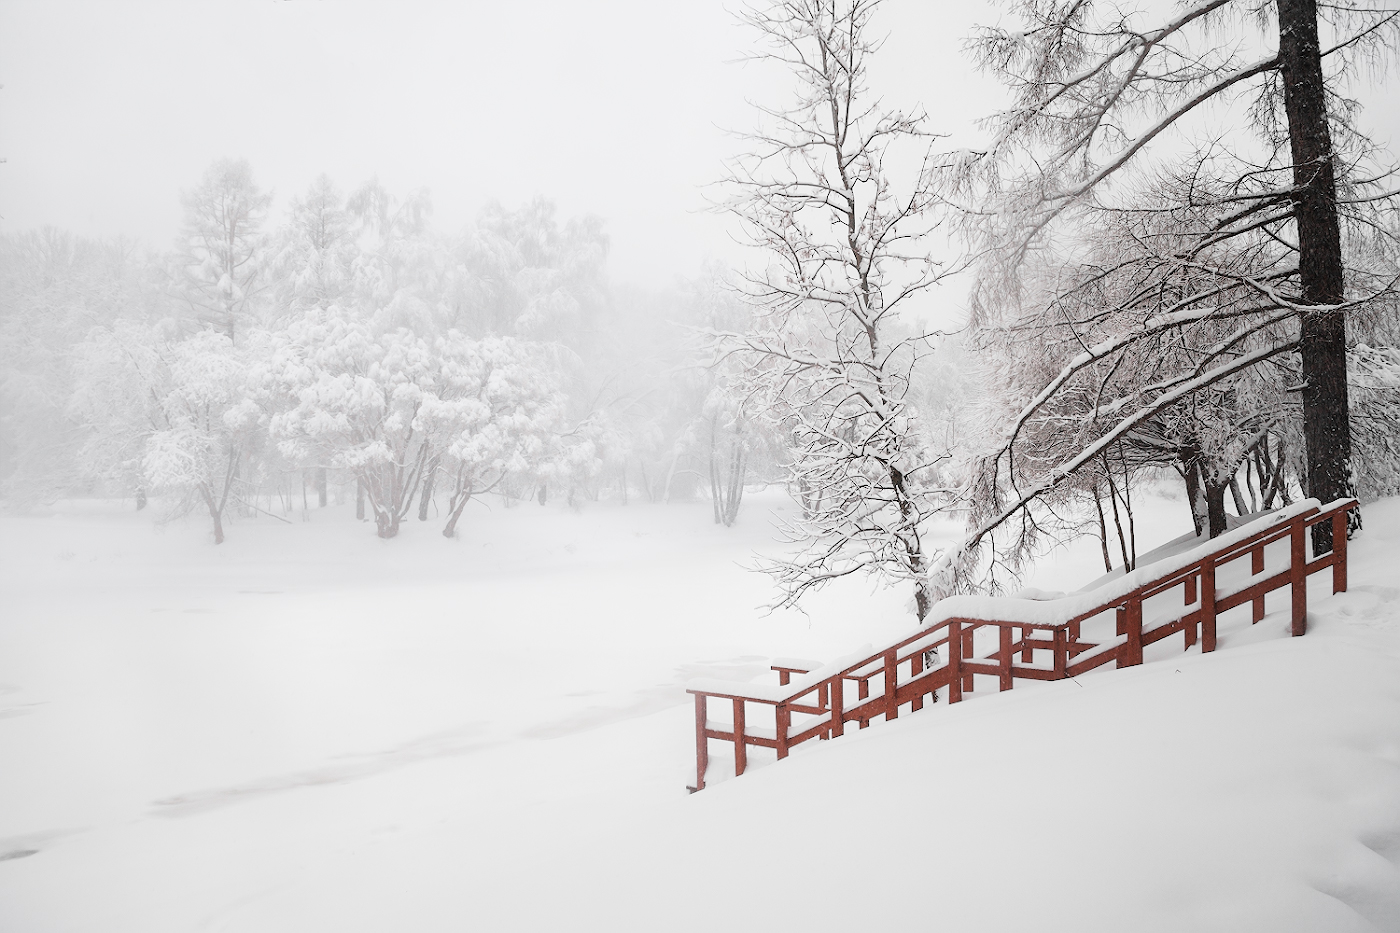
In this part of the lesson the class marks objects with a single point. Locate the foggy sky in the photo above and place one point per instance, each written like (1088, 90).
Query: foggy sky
(611, 107)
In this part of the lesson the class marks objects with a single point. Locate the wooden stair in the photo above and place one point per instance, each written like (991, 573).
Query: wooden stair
(1125, 615)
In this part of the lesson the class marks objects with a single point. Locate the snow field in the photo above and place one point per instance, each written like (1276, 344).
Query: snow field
(308, 728)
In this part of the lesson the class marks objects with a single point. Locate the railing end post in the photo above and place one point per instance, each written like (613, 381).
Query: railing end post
(702, 743)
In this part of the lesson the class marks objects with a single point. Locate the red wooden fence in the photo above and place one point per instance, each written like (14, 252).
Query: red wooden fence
(815, 703)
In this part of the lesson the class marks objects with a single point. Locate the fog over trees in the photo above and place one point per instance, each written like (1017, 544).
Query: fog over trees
(352, 345)
(1176, 246)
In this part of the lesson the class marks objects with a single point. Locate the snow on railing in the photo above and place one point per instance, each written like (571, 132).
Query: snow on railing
(1208, 577)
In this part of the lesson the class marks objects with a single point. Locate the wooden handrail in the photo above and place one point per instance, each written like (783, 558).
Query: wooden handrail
(1195, 571)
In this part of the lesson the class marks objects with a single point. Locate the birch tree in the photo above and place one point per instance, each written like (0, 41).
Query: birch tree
(842, 238)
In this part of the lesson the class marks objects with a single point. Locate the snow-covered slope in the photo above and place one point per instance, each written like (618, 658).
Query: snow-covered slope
(310, 729)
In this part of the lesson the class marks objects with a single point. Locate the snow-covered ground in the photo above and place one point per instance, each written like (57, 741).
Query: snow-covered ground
(310, 729)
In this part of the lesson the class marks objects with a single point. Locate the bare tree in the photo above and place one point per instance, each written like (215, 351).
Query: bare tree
(843, 247)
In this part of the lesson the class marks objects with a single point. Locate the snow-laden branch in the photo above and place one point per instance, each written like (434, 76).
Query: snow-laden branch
(1126, 425)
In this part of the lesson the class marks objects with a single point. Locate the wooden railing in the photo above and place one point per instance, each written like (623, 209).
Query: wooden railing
(1125, 615)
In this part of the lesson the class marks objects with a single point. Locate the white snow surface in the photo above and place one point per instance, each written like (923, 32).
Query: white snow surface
(309, 729)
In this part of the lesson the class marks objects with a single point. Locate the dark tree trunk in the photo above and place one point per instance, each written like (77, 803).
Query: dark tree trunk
(1103, 531)
(1126, 543)
(1215, 507)
(1195, 497)
(1323, 349)
(321, 487)
(1270, 467)
(1241, 506)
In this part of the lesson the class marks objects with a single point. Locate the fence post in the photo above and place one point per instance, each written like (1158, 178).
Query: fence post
(1130, 654)
(954, 661)
(1005, 657)
(1298, 574)
(783, 715)
(916, 667)
(838, 706)
(702, 744)
(891, 685)
(1061, 642)
(1189, 627)
(1208, 605)
(967, 652)
(741, 752)
(1256, 567)
(1339, 552)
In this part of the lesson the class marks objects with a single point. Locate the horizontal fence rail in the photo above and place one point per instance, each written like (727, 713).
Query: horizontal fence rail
(1029, 639)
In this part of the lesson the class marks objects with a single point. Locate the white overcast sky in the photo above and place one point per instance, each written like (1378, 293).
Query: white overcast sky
(611, 107)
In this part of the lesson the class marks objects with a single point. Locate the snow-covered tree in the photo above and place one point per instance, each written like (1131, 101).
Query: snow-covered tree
(315, 251)
(532, 277)
(410, 415)
(498, 412)
(1099, 92)
(1114, 321)
(347, 396)
(843, 238)
(54, 289)
(178, 413)
(221, 256)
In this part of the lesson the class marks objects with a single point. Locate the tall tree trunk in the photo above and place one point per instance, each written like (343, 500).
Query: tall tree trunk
(386, 522)
(1103, 531)
(427, 497)
(215, 513)
(459, 502)
(716, 489)
(1241, 506)
(321, 487)
(1323, 346)
(738, 469)
(1195, 496)
(359, 498)
(1117, 518)
(1251, 482)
